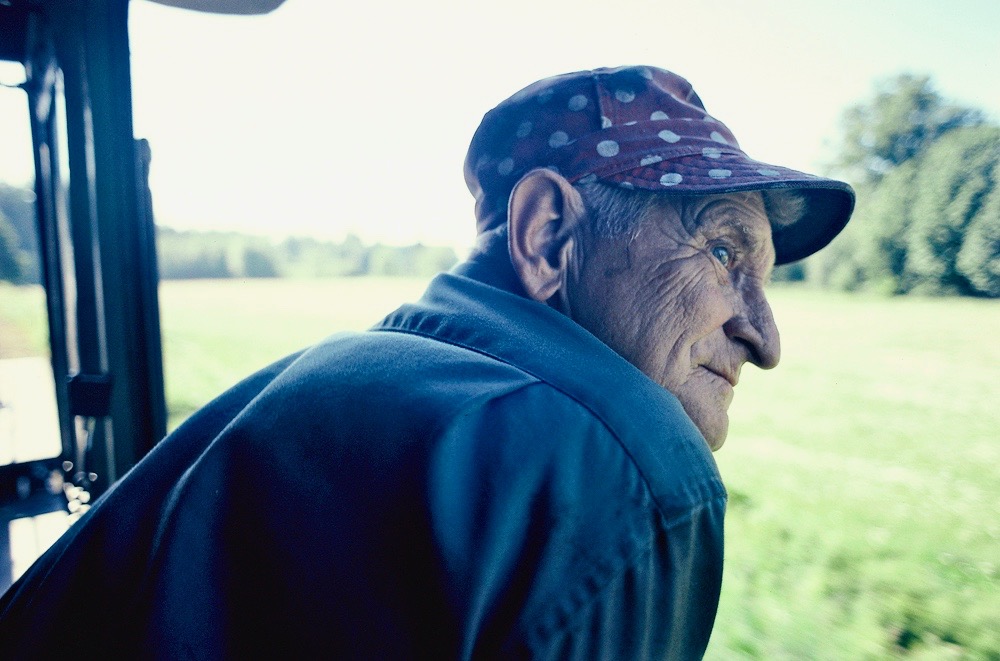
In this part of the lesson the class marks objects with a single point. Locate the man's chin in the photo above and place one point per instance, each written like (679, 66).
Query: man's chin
(714, 429)
(709, 411)
(715, 444)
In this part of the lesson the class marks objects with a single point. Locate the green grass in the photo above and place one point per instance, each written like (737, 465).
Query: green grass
(864, 478)
(215, 332)
(864, 472)
(23, 328)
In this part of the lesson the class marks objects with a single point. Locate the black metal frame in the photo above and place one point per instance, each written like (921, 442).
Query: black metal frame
(97, 247)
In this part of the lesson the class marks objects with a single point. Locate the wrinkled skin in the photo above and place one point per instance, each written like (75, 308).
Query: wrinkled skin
(683, 300)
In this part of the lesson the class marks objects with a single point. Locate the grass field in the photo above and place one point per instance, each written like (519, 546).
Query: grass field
(864, 473)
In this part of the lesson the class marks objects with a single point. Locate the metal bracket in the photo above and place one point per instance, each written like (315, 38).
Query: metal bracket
(90, 395)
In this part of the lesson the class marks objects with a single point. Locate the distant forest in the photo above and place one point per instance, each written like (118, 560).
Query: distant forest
(184, 255)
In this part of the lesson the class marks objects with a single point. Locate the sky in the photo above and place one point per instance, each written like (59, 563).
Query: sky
(324, 118)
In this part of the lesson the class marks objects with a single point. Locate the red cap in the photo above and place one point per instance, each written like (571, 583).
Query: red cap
(636, 127)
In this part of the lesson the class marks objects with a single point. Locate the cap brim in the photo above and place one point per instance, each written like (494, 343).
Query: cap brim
(829, 202)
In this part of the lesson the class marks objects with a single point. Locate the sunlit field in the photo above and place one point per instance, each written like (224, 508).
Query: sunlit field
(864, 479)
(215, 332)
(864, 472)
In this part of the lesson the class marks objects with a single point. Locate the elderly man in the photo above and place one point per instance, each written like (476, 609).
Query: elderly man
(516, 466)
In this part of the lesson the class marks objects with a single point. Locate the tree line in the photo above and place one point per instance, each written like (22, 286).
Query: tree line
(195, 254)
(190, 255)
(927, 175)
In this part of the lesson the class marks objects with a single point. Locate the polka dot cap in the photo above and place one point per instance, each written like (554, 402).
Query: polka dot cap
(636, 128)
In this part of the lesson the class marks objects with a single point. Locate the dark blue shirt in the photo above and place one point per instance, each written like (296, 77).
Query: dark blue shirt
(475, 477)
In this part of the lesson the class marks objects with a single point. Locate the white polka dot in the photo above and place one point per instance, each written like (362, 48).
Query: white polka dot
(632, 123)
(481, 161)
(544, 96)
(668, 136)
(646, 73)
(658, 115)
(625, 96)
(558, 139)
(626, 184)
(649, 160)
(711, 152)
(578, 102)
(524, 129)
(718, 138)
(605, 122)
(607, 148)
(768, 172)
(588, 179)
(505, 167)
(671, 179)
(720, 173)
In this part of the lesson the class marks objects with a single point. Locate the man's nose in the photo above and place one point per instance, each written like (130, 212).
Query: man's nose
(754, 327)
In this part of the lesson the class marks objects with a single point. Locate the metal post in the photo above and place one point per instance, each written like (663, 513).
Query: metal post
(117, 305)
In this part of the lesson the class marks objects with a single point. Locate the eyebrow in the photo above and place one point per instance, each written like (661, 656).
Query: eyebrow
(730, 220)
(750, 241)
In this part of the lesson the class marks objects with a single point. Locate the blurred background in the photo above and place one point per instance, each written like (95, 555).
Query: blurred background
(306, 177)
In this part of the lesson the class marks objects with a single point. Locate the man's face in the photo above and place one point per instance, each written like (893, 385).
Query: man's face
(683, 300)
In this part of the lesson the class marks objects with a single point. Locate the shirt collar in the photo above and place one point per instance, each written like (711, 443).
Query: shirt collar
(534, 337)
(556, 350)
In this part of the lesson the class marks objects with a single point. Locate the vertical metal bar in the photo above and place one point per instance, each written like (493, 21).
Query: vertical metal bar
(126, 234)
(42, 104)
(91, 332)
(149, 281)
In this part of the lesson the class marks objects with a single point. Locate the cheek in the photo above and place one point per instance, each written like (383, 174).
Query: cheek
(708, 303)
(652, 316)
(686, 304)
(653, 322)
(615, 318)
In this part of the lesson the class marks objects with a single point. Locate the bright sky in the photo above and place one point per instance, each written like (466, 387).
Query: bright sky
(324, 118)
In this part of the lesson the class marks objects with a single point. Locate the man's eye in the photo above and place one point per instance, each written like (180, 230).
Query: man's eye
(723, 254)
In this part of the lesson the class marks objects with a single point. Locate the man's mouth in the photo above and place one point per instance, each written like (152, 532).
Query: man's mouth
(730, 377)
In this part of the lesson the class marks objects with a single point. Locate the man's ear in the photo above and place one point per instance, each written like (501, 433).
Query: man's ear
(544, 210)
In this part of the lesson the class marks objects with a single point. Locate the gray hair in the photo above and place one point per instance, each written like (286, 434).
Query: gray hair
(616, 211)
(784, 206)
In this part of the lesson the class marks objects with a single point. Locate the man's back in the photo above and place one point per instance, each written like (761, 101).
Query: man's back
(455, 482)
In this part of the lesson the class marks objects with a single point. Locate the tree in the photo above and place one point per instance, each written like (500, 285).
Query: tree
(10, 262)
(258, 263)
(954, 214)
(883, 221)
(979, 258)
(903, 119)
(926, 173)
(18, 235)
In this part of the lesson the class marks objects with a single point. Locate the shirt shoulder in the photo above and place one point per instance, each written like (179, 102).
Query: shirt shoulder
(540, 510)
